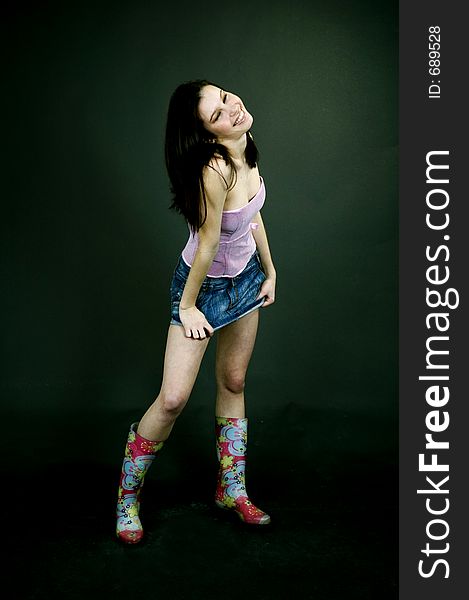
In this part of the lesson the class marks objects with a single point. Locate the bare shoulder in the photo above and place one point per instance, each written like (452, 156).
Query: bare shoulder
(216, 176)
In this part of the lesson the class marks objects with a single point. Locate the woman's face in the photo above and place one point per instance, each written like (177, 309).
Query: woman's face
(223, 113)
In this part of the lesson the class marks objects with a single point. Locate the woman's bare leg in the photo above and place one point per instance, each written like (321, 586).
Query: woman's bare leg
(234, 349)
(181, 365)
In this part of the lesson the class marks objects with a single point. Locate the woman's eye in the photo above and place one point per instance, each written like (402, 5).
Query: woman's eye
(216, 118)
(225, 97)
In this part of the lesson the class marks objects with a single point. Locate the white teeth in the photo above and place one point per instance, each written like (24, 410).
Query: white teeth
(240, 117)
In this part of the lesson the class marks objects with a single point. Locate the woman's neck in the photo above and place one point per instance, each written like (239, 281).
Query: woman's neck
(236, 147)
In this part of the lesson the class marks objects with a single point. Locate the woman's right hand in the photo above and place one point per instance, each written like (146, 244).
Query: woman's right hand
(195, 324)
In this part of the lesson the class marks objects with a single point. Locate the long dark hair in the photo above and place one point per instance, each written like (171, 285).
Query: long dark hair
(189, 147)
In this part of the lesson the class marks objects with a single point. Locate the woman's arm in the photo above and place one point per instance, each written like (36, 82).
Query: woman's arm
(260, 237)
(192, 318)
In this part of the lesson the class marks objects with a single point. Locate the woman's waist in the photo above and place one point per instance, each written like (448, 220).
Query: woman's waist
(225, 264)
(226, 237)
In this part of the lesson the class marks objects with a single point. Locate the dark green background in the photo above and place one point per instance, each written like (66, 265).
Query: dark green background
(89, 245)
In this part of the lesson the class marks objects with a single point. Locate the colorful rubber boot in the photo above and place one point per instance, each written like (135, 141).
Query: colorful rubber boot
(139, 454)
(231, 492)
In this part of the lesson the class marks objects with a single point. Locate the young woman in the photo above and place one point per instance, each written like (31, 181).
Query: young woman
(224, 274)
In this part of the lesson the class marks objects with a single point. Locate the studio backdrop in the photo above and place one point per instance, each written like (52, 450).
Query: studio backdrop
(89, 246)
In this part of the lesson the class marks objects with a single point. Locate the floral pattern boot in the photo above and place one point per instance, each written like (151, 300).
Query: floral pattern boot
(231, 492)
(139, 454)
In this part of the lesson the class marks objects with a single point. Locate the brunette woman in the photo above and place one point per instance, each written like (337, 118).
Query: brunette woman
(224, 275)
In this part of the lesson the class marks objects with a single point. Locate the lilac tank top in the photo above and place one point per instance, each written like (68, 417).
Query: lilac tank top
(237, 243)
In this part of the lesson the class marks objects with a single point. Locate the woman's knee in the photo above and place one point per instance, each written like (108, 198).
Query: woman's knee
(232, 381)
(172, 402)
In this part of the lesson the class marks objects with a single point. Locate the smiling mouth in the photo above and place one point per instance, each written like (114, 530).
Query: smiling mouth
(240, 118)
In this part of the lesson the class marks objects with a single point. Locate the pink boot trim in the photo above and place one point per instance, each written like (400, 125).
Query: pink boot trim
(231, 434)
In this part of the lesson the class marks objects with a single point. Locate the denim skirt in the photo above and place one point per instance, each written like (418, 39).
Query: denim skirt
(223, 300)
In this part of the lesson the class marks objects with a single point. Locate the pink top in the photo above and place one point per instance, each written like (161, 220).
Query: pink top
(237, 243)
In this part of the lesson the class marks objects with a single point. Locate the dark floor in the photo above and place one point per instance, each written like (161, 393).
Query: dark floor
(333, 532)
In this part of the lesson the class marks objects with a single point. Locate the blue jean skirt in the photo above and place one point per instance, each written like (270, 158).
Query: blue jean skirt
(223, 300)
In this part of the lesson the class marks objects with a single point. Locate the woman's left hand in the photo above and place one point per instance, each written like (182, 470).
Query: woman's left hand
(268, 290)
